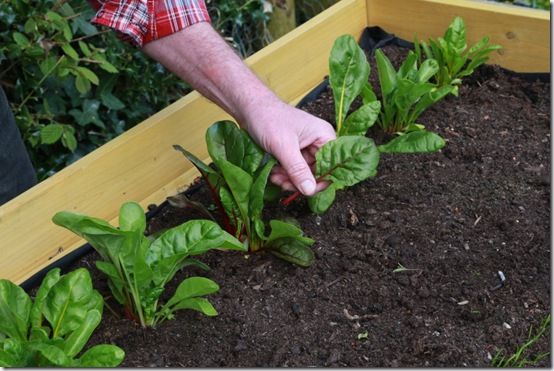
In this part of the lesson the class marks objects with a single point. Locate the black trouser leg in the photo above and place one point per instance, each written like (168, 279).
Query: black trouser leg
(16, 171)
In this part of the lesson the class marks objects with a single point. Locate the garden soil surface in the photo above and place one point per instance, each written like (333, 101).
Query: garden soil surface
(454, 219)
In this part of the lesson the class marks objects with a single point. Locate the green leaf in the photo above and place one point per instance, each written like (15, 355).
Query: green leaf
(53, 355)
(102, 356)
(199, 164)
(456, 35)
(258, 190)
(77, 340)
(47, 65)
(201, 305)
(51, 278)
(347, 160)
(427, 70)
(88, 74)
(30, 26)
(51, 133)
(70, 52)
(68, 139)
(387, 74)
(111, 101)
(421, 141)
(82, 84)
(84, 48)
(322, 201)
(348, 74)
(108, 67)
(21, 40)
(66, 304)
(361, 120)
(15, 309)
(132, 218)
(240, 184)
(293, 251)
(193, 287)
(368, 96)
(115, 280)
(227, 142)
(408, 69)
(281, 229)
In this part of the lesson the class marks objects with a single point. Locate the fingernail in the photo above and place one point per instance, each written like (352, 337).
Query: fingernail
(307, 187)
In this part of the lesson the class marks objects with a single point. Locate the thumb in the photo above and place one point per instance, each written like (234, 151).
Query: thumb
(297, 169)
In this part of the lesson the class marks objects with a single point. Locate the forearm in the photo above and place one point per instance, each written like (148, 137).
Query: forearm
(201, 57)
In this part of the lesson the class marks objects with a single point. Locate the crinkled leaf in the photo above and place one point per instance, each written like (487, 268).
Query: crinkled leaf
(226, 141)
(455, 35)
(322, 201)
(359, 121)
(293, 251)
(15, 308)
(51, 133)
(367, 93)
(103, 355)
(348, 74)
(421, 141)
(53, 356)
(347, 160)
(427, 70)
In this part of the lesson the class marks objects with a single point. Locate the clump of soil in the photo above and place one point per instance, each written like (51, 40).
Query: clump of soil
(454, 219)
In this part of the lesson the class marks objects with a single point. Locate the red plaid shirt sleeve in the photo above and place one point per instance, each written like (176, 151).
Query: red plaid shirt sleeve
(142, 21)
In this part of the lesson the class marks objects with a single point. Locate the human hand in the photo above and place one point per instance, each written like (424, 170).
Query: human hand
(293, 137)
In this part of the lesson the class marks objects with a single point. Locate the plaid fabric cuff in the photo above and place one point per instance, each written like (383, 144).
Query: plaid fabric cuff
(142, 21)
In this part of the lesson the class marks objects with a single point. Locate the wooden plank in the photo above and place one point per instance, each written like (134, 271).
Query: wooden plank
(140, 165)
(523, 33)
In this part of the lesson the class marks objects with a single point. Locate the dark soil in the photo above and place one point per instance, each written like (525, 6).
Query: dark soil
(454, 218)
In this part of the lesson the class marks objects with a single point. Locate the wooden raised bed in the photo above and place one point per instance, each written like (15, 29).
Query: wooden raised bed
(141, 165)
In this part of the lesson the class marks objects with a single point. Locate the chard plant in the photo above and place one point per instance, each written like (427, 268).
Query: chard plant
(52, 330)
(139, 267)
(453, 58)
(237, 182)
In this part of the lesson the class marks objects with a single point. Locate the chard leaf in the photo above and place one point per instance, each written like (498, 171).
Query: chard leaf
(387, 74)
(199, 164)
(347, 160)
(53, 355)
(10, 359)
(408, 69)
(367, 94)
(105, 238)
(421, 141)
(102, 355)
(292, 250)
(132, 218)
(191, 238)
(227, 142)
(348, 74)
(409, 92)
(229, 204)
(258, 190)
(281, 229)
(361, 120)
(427, 70)
(191, 288)
(51, 278)
(67, 303)
(322, 201)
(456, 35)
(115, 280)
(240, 184)
(15, 309)
(201, 305)
(76, 341)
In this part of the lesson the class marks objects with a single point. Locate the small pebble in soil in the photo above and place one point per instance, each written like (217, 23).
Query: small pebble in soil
(240, 346)
(506, 326)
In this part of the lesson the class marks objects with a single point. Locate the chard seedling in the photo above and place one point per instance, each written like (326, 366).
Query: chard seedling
(139, 267)
(238, 181)
(454, 61)
(53, 330)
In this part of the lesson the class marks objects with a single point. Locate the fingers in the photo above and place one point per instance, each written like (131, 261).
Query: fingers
(298, 170)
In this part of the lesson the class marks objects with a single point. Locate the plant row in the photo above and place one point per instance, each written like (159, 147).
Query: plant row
(53, 329)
